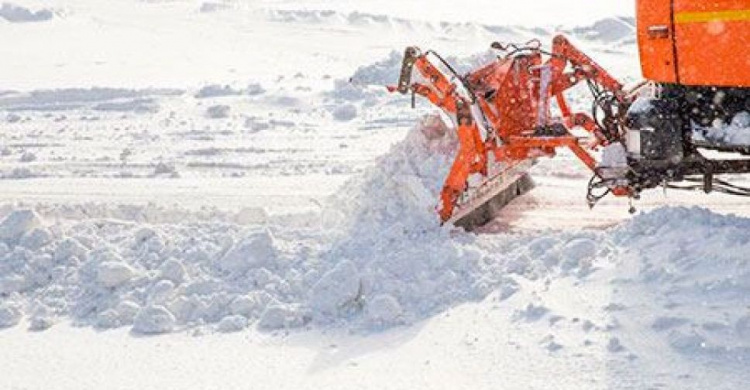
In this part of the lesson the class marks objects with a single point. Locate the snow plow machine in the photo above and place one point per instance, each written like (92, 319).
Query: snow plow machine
(696, 64)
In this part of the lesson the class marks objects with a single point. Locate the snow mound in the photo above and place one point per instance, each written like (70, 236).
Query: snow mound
(17, 14)
(690, 280)
(154, 320)
(367, 81)
(380, 260)
(380, 72)
(113, 274)
(393, 263)
(338, 291)
(609, 30)
(254, 251)
(402, 188)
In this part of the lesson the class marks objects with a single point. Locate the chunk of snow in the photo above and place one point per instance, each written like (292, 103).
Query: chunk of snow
(10, 315)
(384, 310)
(18, 223)
(154, 320)
(232, 323)
(18, 14)
(113, 274)
(280, 316)
(127, 311)
(161, 291)
(250, 305)
(255, 250)
(70, 247)
(173, 270)
(337, 291)
(36, 239)
(108, 319)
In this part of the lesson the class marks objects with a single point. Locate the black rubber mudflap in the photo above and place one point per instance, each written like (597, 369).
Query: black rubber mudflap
(489, 210)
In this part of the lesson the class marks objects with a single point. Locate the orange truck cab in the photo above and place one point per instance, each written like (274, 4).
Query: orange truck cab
(695, 42)
(698, 51)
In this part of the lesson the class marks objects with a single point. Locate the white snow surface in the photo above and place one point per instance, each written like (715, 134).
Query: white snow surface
(235, 170)
(384, 264)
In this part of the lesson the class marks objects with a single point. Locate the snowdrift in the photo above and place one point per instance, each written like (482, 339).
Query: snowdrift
(380, 261)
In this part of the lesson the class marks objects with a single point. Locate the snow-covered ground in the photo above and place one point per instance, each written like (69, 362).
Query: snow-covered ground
(221, 194)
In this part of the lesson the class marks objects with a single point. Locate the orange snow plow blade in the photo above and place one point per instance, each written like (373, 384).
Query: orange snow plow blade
(484, 203)
(501, 114)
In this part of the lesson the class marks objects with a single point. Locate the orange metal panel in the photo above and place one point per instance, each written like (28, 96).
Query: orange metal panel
(656, 40)
(713, 42)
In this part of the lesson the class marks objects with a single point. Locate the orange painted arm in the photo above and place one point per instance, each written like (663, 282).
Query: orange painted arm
(471, 157)
(564, 52)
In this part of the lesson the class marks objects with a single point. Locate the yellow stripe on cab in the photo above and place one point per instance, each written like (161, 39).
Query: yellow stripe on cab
(712, 16)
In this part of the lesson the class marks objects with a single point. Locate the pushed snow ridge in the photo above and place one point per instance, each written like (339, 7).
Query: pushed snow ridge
(379, 260)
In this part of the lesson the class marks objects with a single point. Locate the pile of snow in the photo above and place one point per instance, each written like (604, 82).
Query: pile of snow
(386, 71)
(402, 187)
(368, 81)
(381, 260)
(381, 72)
(17, 14)
(609, 30)
(735, 133)
(217, 90)
(110, 274)
(685, 277)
